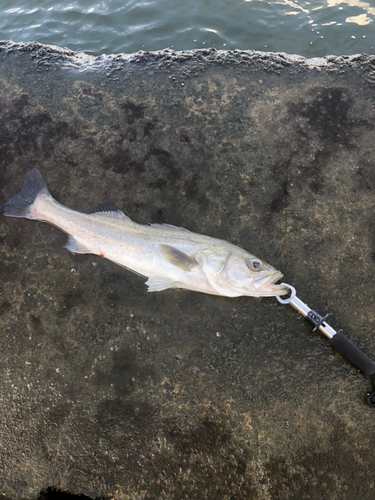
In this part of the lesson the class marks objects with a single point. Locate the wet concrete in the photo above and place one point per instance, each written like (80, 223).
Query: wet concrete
(109, 391)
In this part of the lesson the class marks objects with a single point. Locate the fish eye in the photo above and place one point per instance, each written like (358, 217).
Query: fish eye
(255, 265)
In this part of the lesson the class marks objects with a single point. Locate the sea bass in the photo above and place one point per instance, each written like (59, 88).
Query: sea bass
(169, 256)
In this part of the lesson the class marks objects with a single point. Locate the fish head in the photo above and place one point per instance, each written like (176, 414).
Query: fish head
(252, 276)
(234, 272)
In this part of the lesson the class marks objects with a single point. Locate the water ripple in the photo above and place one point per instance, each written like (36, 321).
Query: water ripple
(111, 26)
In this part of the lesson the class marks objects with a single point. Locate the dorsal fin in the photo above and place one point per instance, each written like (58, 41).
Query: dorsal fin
(109, 210)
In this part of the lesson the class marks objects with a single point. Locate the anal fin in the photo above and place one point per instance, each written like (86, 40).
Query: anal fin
(74, 246)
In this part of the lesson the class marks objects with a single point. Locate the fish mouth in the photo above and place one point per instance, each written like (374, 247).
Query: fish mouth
(265, 286)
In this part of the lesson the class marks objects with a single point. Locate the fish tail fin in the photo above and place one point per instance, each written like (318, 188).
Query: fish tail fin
(22, 203)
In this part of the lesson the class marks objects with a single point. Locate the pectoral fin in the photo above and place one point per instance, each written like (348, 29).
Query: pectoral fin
(177, 258)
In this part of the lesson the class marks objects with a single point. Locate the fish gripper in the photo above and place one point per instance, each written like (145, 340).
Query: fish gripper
(337, 339)
(315, 319)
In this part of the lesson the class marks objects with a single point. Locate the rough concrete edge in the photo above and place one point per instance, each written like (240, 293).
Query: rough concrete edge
(49, 55)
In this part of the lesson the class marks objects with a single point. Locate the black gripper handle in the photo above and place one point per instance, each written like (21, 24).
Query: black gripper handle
(345, 347)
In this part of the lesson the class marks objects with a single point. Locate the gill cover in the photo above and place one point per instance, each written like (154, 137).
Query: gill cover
(213, 261)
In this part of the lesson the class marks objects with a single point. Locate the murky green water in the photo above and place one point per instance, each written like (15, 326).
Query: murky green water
(314, 28)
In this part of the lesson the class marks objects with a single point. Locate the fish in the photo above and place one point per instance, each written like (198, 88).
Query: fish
(168, 256)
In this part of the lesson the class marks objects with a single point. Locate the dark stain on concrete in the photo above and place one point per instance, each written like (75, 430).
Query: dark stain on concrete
(137, 414)
(165, 161)
(89, 92)
(280, 197)
(184, 136)
(8, 270)
(4, 307)
(71, 299)
(36, 325)
(371, 231)
(193, 192)
(132, 111)
(205, 438)
(213, 439)
(365, 176)
(121, 161)
(327, 113)
(123, 373)
(149, 127)
(319, 472)
(23, 133)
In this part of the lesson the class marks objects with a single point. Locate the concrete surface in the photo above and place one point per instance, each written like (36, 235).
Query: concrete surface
(110, 391)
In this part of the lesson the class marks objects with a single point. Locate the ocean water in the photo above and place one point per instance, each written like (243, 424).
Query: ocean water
(310, 28)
